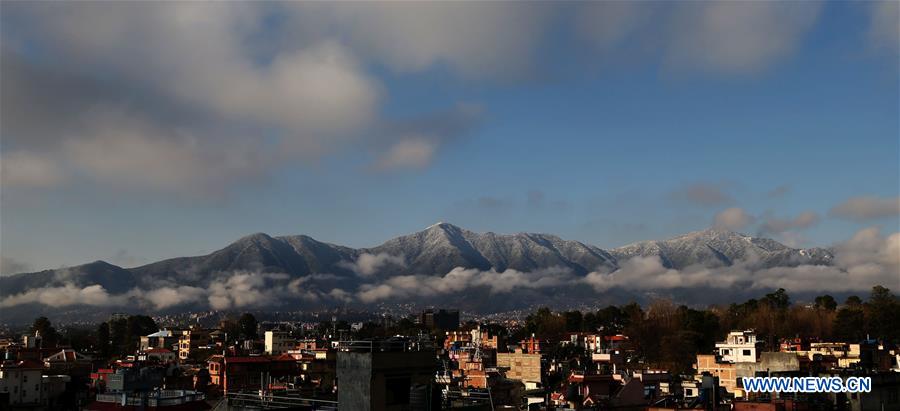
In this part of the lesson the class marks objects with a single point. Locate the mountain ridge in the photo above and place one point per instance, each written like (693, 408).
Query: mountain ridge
(433, 251)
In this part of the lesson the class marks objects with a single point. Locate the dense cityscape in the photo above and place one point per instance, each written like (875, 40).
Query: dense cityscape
(629, 357)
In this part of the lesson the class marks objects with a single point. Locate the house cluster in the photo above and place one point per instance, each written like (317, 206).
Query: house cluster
(450, 367)
(33, 375)
(741, 356)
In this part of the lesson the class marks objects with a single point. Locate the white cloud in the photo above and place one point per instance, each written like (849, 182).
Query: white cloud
(368, 264)
(460, 279)
(775, 225)
(723, 37)
(477, 40)
(69, 294)
(414, 152)
(22, 168)
(734, 219)
(737, 37)
(867, 208)
(884, 30)
(866, 260)
(165, 297)
(123, 149)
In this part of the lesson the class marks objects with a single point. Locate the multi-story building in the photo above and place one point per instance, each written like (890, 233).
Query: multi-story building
(232, 374)
(441, 319)
(386, 376)
(21, 380)
(739, 346)
(160, 355)
(190, 340)
(522, 366)
(725, 371)
(159, 339)
(278, 342)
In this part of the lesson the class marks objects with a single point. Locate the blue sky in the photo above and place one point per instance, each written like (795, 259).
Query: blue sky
(138, 132)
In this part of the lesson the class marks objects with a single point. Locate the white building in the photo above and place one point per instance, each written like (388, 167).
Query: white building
(278, 342)
(22, 381)
(739, 346)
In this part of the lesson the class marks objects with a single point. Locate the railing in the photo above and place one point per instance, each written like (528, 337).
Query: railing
(235, 400)
(383, 346)
(153, 398)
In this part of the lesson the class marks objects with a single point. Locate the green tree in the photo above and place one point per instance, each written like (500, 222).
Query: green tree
(135, 327)
(826, 302)
(49, 336)
(849, 324)
(778, 300)
(883, 314)
(118, 335)
(574, 320)
(103, 339)
(248, 326)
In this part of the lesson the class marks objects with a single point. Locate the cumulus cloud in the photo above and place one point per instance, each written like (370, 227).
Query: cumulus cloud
(734, 219)
(738, 36)
(478, 40)
(368, 264)
(723, 37)
(867, 208)
(187, 97)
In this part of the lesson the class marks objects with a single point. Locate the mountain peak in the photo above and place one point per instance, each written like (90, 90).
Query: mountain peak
(441, 225)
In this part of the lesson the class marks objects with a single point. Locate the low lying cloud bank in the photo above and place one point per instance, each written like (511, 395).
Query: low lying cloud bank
(867, 259)
(368, 264)
(460, 279)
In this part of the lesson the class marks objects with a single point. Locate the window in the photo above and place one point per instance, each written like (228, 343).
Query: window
(747, 353)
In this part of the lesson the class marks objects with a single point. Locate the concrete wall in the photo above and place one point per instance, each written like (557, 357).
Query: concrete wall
(363, 377)
(354, 375)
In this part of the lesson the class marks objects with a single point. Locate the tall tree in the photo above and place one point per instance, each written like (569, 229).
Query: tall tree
(248, 326)
(825, 302)
(103, 339)
(883, 314)
(49, 336)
